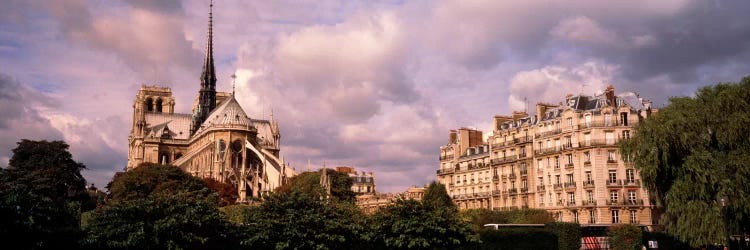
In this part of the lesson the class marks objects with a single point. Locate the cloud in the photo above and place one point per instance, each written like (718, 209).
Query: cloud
(551, 83)
(584, 30)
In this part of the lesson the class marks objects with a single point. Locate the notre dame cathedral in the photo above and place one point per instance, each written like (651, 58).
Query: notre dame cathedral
(218, 140)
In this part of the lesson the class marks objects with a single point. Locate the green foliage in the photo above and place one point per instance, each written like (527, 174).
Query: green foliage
(298, 220)
(479, 217)
(517, 238)
(568, 234)
(149, 180)
(665, 240)
(40, 196)
(236, 214)
(227, 192)
(157, 207)
(309, 182)
(410, 224)
(435, 195)
(691, 154)
(625, 237)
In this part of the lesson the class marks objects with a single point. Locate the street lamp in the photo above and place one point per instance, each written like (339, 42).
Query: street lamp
(724, 202)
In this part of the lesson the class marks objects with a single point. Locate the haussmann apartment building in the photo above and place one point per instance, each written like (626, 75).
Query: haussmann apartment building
(564, 159)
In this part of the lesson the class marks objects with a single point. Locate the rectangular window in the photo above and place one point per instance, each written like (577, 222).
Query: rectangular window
(607, 119)
(557, 179)
(569, 120)
(588, 177)
(613, 196)
(630, 175)
(557, 161)
(631, 196)
(609, 137)
(523, 184)
(570, 178)
(575, 216)
(587, 118)
(587, 156)
(625, 134)
(587, 139)
(615, 216)
(572, 198)
(611, 156)
(569, 159)
(539, 164)
(612, 176)
(633, 217)
(592, 216)
(624, 118)
(590, 196)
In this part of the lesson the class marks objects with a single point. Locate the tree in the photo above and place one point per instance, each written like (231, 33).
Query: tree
(227, 192)
(435, 195)
(693, 153)
(410, 224)
(625, 237)
(157, 207)
(299, 220)
(40, 196)
(309, 182)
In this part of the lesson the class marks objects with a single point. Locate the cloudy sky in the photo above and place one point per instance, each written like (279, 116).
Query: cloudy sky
(373, 84)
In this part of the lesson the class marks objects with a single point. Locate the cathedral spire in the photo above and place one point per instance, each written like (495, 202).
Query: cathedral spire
(208, 77)
(207, 93)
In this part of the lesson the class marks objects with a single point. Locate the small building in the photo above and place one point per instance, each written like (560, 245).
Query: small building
(362, 182)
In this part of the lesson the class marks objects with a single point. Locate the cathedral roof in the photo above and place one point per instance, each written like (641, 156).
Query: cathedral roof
(177, 125)
(229, 113)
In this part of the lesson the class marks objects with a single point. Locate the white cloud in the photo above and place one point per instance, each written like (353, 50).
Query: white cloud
(585, 30)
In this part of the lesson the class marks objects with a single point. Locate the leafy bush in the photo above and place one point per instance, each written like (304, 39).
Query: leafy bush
(625, 237)
(568, 234)
(517, 238)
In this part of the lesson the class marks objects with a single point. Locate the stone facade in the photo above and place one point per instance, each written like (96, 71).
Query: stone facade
(362, 182)
(564, 159)
(217, 140)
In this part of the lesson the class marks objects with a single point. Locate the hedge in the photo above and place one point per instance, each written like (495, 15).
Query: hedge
(568, 234)
(625, 237)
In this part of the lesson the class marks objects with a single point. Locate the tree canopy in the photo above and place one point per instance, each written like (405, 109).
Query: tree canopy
(692, 154)
(157, 207)
(40, 196)
(436, 195)
(309, 182)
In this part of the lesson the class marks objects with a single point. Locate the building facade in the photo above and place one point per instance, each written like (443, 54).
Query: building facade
(362, 182)
(563, 159)
(371, 203)
(217, 140)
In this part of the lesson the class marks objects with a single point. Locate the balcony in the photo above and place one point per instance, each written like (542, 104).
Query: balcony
(524, 190)
(495, 177)
(558, 186)
(569, 166)
(445, 171)
(560, 203)
(587, 163)
(524, 172)
(567, 146)
(548, 133)
(599, 124)
(540, 188)
(614, 183)
(600, 142)
(570, 185)
(446, 157)
(634, 202)
(548, 150)
(512, 191)
(588, 203)
(522, 139)
(633, 183)
(570, 204)
(613, 203)
(512, 175)
(588, 184)
(496, 192)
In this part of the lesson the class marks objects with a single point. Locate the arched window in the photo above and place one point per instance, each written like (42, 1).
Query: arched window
(164, 158)
(149, 104)
(158, 105)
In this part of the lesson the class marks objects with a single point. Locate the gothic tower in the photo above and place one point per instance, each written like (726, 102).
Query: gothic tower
(207, 93)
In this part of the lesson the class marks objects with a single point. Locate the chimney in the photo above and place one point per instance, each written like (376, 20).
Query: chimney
(518, 115)
(500, 120)
(540, 109)
(453, 136)
(610, 93)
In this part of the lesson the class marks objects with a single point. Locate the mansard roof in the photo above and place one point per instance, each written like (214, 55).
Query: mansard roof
(228, 113)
